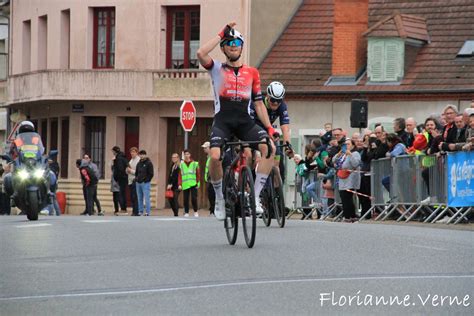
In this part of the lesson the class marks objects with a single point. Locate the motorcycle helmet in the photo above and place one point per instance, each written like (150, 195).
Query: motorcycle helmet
(26, 127)
(276, 91)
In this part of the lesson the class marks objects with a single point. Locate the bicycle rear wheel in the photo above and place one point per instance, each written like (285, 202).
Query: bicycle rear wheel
(231, 222)
(247, 206)
(278, 198)
(266, 200)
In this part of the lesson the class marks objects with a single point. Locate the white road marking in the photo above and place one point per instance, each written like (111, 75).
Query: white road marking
(169, 219)
(33, 225)
(429, 247)
(101, 221)
(232, 284)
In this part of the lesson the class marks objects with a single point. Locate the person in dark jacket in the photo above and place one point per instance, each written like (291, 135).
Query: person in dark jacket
(143, 175)
(173, 183)
(87, 159)
(89, 182)
(54, 206)
(399, 126)
(119, 172)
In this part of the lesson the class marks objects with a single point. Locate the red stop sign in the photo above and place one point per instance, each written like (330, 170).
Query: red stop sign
(187, 115)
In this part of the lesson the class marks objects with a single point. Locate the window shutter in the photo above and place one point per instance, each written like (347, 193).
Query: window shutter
(393, 60)
(375, 61)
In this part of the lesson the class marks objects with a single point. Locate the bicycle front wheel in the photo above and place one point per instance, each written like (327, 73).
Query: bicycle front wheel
(247, 206)
(231, 222)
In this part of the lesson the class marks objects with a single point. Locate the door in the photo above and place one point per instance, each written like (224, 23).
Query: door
(132, 139)
(197, 137)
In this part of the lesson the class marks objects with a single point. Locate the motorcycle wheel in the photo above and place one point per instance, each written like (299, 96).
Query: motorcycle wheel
(33, 210)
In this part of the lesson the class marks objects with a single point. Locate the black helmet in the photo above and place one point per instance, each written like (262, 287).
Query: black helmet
(26, 127)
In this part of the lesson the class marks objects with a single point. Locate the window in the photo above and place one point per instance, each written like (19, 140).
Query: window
(65, 37)
(95, 141)
(64, 147)
(26, 51)
(43, 42)
(182, 41)
(467, 50)
(385, 60)
(104, 38)
(3, 48)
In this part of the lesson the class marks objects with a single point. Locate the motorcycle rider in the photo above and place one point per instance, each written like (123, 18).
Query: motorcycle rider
(26, 135)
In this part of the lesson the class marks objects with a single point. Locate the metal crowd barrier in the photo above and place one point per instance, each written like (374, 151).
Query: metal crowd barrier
(380, 169)
(408, 190)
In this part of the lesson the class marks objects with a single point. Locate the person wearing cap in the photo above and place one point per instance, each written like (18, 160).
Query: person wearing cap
(143, 175)
(189, 180)
(211, 194)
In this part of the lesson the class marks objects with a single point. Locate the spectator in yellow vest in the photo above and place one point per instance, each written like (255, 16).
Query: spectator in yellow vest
(211, 194)
(189, 180)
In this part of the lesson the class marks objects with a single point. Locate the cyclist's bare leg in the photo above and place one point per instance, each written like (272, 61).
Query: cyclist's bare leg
(215, 171)
(263, 170)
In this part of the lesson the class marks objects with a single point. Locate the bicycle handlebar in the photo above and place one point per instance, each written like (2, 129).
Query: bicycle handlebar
(245, 144)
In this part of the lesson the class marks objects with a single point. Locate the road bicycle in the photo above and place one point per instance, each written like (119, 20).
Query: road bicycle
(239, 192)
(272, 196)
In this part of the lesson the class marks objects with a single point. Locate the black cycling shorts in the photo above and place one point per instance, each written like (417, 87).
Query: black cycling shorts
(227, 124)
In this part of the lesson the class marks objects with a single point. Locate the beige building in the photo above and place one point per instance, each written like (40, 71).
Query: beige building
(93, 74)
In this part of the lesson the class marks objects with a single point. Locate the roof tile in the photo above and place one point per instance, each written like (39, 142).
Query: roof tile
(302, 56)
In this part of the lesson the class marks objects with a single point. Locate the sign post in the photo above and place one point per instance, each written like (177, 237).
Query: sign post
(187, 118)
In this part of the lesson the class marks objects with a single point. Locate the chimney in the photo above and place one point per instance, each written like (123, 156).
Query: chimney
(349, 48)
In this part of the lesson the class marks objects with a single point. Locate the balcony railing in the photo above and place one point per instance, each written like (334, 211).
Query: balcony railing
(122, 85)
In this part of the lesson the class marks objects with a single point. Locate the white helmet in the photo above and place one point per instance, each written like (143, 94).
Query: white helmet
(276, 90)
(233, 34)
(26, 126)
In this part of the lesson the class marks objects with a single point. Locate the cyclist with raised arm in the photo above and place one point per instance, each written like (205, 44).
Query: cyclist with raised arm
(276, 108)
(235, 86)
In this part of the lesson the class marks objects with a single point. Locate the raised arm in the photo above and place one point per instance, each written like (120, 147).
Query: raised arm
(203, 52)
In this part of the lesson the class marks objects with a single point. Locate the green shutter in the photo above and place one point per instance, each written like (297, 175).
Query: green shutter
(394, 52)
(385, 60)
(375, 62)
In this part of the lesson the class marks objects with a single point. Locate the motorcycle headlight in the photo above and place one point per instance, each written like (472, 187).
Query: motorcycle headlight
(23, 174)
(38, 173)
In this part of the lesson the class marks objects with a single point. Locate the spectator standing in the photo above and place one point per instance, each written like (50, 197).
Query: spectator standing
(347, 164)
(211, 194)
(87, 159)
(54, 206)
(173, 185)
(143, 175)
(189, 180)
(469, 136)
(131, 169)
(115, 189)
(89, 180)
(411, 131)
(399, 126)
(119, 172)
(460, 135)
(381, 147)
(449, 131)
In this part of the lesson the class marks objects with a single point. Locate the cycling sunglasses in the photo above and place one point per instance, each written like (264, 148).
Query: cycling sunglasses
(235, 42)
(279, 101)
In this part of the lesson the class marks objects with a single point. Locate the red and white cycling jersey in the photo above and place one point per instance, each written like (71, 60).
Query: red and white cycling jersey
(234, 88)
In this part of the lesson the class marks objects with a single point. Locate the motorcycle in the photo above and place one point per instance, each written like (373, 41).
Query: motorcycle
(30, 181)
